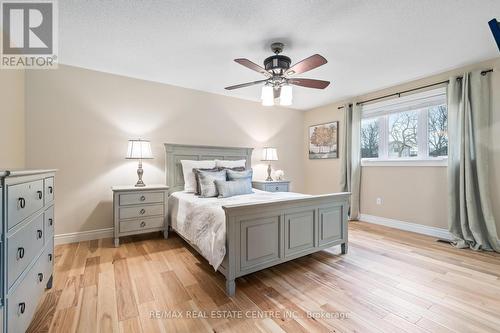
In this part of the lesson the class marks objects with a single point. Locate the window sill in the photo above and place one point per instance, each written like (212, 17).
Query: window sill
(434, 162)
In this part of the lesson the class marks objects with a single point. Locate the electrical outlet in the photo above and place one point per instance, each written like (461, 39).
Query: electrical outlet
(379, 201)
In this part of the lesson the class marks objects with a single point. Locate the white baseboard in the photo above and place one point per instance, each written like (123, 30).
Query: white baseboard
(407, 226)
(79, 236)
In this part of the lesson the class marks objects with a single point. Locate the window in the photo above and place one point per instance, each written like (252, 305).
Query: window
(410, 128)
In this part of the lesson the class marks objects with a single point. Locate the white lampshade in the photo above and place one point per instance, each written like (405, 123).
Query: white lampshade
(267, 95)
(139, 149)
(286, 95)
(269, 154)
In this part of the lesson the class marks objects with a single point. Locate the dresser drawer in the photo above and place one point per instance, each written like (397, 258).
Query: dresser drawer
(48, 184)
(46, 262)
(23, 200)
(142, 224)
(140, 211)
(22, 247)
(276, 188)
(141, 198)
(22, 302)
(48, 217)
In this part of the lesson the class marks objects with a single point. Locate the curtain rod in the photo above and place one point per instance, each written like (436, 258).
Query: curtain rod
(398, 94)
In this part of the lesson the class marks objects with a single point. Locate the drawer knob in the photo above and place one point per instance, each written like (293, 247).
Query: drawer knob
(50, 256)
(143, 224)
(51, 189)
(39, 234)
(40, 277)
(21, 307)
(20, 253)
(51, 221)
(142, 211)
(40, 194)
(21, 202)
(277, 188)
(143, 198)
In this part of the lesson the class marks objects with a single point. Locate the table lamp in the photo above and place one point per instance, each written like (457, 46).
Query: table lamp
(139, 150)
(269, 154)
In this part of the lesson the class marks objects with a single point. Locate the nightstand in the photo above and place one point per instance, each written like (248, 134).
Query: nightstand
(272, 186)
(138, 210)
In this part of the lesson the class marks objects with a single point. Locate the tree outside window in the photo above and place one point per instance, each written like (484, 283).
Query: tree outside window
(370, 138)
(438, 131)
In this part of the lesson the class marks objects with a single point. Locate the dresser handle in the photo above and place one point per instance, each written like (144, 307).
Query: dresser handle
(143, 198)
(51, 221)
(51, 189)
(39, 234)
(21, 307)
(277, 188)
(143, 224)
(142, 211)
(40, 194)
(50, 256)
(40, 277)
(21, 202)
(20, 253)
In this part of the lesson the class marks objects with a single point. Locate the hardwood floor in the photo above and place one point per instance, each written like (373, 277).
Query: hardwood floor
(390, 281)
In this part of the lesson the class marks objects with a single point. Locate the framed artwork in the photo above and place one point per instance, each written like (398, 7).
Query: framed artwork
(323, 141)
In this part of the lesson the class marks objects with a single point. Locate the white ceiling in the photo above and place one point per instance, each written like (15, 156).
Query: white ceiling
(369, 44)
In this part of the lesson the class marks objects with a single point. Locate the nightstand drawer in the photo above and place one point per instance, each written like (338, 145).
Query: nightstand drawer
(141, 198)
(140, 211)
(141, 224)
(276, 188)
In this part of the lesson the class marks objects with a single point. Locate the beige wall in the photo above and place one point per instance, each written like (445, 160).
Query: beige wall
(79, 121)
(12, 129)
(423, 198)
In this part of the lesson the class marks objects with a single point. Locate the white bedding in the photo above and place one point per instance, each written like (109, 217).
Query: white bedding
(202, 220)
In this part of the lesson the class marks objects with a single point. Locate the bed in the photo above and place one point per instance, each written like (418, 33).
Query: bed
(246, 233)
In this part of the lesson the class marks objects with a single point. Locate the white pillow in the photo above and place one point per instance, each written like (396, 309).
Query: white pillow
(187, 171)
(230, 164)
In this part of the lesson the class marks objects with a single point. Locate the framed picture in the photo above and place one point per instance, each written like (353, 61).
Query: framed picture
(323, 141)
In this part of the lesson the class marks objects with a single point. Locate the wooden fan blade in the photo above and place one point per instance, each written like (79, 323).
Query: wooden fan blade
(248, 84)
(310, 83)
(306, 65)
(253, 66)
(277, 92)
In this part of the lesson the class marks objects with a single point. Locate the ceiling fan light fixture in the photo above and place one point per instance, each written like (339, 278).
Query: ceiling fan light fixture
(286, 95)
(267, 95)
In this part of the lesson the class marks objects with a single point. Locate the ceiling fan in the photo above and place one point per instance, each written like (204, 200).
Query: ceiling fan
(278, 82)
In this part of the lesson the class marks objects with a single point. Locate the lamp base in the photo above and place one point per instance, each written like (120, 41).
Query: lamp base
(269, 178)
(140, 172)
(140, 183)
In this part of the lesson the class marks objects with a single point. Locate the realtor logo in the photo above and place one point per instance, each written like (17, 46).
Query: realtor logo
(29, 38)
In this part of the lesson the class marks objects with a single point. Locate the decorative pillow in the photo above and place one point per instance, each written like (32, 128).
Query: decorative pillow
(234, 169)
(197, 177)
(233, 187)
(187, 171)
(207, 182)
(230, 164)
(235, 175)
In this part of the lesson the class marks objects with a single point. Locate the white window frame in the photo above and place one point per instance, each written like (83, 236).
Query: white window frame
(414, 102)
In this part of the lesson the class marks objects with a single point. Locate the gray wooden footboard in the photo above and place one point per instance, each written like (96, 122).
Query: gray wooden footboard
(266, 234)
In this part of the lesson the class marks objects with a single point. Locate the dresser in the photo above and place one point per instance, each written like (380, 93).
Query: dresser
(27, 243)
(138, 210)
(272, 186)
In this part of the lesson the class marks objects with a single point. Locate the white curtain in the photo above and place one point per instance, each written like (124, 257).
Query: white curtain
(350, 157)
(470, 217)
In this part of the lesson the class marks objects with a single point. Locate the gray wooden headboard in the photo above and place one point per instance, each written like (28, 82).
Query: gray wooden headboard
(176, 152)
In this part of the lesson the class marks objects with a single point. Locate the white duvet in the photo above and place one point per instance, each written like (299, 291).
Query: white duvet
(202, 220)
